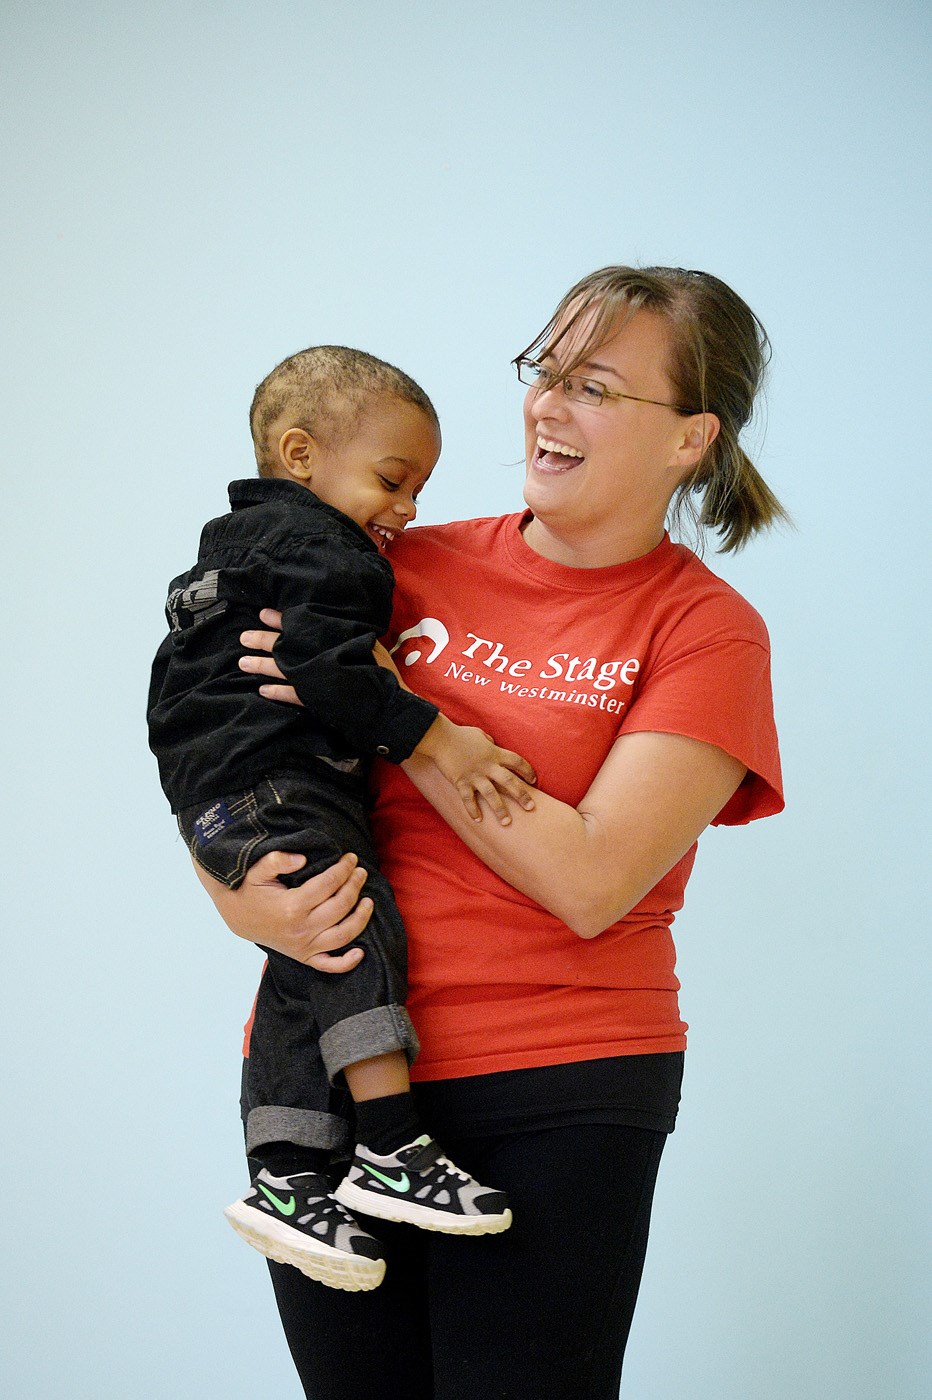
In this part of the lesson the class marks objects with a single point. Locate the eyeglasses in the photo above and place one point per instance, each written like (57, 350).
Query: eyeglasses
(590, 391)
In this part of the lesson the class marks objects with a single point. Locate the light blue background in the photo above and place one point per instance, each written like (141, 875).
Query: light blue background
(196, 190)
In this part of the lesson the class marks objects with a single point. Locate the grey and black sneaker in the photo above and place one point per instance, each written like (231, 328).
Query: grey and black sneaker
(295, 1220)
(417, 1184)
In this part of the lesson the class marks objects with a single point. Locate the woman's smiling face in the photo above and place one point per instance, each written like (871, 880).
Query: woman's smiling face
(595, 469)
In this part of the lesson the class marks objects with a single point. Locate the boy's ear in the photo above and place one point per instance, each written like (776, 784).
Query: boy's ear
(297, 452)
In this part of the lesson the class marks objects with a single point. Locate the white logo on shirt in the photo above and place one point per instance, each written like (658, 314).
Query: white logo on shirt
(435, 632)
(597, 676)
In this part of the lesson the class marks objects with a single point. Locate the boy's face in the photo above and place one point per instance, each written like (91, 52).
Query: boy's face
(375, 476)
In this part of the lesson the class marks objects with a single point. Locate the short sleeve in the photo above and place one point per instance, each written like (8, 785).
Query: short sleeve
(719, 693)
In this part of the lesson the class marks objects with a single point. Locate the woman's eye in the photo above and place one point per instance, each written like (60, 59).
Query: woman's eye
(591, 390)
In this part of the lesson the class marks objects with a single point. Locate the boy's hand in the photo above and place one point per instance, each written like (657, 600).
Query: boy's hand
(475, 765)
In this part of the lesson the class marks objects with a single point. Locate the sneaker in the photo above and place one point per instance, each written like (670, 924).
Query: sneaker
(417, 1184)
(295, 1220)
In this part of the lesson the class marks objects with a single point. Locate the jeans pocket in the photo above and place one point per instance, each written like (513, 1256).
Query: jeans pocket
(222, 836)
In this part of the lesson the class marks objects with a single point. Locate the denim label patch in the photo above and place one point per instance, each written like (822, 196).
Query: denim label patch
(211, 823)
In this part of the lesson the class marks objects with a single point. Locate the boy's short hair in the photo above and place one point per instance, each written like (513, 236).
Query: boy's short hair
(326, 388)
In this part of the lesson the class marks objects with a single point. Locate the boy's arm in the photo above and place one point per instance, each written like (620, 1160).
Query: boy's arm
(467, 757)
(335, 603)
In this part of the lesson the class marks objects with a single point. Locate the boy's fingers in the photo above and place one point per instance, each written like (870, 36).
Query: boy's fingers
(468, 797)
(518, 765)
(516, 790)
(490, 793)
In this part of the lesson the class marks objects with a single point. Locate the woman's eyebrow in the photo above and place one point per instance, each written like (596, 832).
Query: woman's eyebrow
(605, 369)
(592, 364)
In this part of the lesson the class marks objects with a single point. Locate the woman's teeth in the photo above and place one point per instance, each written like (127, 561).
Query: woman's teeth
(557, 455)
(546, 446)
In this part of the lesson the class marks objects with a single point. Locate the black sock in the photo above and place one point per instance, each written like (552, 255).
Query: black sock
(288, 1158)
(384, 1125)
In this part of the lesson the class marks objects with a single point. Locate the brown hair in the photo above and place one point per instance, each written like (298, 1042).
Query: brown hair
(718, 354)
(326, 389)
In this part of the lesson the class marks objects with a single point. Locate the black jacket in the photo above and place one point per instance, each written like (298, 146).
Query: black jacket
(279, 547)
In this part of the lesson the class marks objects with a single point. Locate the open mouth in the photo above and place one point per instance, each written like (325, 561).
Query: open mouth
(551, 456)
(382, 535)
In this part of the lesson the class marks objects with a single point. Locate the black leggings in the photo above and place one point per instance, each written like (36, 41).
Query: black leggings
(541, 1312)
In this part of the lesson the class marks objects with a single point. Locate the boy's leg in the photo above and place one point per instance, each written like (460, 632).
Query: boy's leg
(289, 1213)
(358, 1015)
(300, 1012)
(355, 1018)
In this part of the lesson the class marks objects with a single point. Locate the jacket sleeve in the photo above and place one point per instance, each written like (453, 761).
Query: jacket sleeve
(335, 603)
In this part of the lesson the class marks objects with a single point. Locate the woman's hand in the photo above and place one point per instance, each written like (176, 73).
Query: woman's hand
(266, 665)
(304, 923)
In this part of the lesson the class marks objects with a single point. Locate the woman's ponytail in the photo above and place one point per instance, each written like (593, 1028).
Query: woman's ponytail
(736, 501)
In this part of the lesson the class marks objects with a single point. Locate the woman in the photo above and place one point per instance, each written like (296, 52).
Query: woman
(541, 962)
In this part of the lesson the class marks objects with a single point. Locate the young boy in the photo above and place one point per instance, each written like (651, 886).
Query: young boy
(344, 443)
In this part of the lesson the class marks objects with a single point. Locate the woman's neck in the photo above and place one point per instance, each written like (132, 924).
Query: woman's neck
(597, 547)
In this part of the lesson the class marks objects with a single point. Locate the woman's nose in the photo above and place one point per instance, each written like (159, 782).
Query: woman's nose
(550, 402)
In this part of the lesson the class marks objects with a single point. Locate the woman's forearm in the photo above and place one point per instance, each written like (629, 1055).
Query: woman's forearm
(539, 853)
(589, 865)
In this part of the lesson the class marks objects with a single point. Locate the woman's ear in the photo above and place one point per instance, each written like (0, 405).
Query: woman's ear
(297, 453)
(699, 433)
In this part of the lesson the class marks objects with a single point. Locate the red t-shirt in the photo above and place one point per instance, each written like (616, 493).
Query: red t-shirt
(556, 663)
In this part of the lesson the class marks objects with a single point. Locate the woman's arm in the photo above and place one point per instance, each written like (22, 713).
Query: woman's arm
(589, 865)
(309, 923)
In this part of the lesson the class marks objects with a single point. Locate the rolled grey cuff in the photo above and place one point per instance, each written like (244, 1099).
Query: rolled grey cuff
(303, 1126)
(369, 1033)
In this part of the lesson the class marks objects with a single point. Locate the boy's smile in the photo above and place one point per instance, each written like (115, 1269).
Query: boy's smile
(376, 475)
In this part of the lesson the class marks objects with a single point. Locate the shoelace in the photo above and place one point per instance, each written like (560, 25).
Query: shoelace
(451, 1169)
(431, 1155)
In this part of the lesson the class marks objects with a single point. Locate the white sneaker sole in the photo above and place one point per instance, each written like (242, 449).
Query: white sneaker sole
(352, 1272)
(425, 1217)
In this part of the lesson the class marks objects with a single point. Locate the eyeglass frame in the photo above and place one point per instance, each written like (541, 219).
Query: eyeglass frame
(566, 379)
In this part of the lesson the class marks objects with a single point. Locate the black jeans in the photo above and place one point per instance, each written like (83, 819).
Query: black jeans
(309, 1025)
(541, 1312)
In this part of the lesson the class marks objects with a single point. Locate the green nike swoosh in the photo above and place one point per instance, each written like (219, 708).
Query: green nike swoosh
(401, 1184)
(286, 1207)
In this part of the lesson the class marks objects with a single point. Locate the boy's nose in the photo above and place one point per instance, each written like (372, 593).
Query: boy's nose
(406, 508)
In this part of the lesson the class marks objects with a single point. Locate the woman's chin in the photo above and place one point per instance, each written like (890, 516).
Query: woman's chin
(545, 491)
